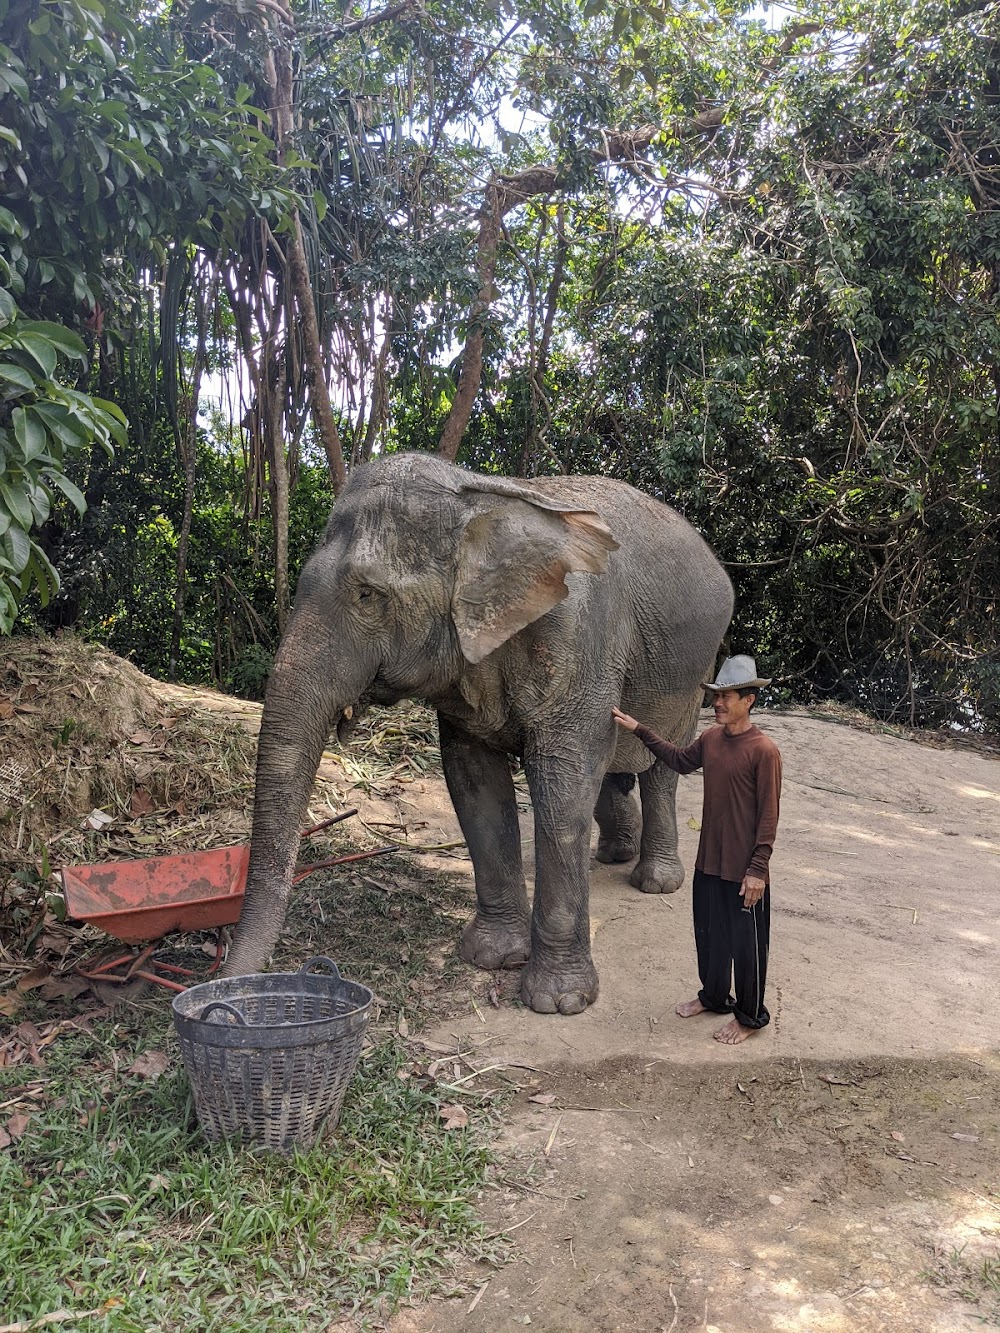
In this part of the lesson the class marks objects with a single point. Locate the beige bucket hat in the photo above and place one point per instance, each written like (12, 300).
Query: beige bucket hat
(737, 673)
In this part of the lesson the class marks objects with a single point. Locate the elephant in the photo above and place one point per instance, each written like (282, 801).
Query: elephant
(521, 611)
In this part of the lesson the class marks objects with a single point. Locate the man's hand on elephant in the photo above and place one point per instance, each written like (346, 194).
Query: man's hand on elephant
(623, 719)
(751, 890)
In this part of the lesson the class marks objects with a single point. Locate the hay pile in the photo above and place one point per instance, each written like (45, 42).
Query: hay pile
(99, 762)
(92, 762)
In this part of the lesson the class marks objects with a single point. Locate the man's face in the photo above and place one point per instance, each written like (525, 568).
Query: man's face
(730, 709)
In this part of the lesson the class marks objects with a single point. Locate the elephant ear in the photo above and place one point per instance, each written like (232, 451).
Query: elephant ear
(512, 566)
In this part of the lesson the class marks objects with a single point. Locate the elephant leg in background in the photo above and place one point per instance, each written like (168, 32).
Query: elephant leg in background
(482, 792)
(560, 976)
(617, 818)
(659, 868)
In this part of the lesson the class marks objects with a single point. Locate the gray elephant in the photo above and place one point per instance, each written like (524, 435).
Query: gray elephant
(521, 611)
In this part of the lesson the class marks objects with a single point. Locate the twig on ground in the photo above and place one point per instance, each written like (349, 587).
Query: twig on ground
(504, 1231)
(478, 1296)
(990, 1203)
(673, 1322)
(552, 1137)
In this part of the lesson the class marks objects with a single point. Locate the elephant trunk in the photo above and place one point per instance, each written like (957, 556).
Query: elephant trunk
(299, 712)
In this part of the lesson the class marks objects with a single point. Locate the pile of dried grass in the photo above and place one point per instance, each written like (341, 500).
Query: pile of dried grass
(92, 762)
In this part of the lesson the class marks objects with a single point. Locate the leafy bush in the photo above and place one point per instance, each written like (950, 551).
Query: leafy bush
(43, 427)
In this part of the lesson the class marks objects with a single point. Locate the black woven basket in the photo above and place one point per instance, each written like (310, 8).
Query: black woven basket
(269, 1056)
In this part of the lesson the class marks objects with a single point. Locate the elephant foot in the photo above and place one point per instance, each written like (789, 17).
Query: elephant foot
(563, 989)
(657, 876)
(612, 851)
(495, 944)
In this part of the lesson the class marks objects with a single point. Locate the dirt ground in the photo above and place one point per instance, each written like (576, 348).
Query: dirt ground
(838, 1171)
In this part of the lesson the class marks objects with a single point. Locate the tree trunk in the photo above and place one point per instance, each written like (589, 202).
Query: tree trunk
(278, 69)
(503, 194)
(472, 359)
(322, 407)
(186, 434)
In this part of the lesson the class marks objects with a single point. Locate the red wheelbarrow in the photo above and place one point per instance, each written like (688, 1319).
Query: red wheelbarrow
(138, 901)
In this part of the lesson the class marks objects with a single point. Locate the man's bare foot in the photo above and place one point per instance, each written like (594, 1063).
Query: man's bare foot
(733, 1032)
(688, 1008)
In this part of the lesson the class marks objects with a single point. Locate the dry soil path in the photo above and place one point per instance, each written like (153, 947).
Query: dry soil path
(838, 1173)
(818, 1177)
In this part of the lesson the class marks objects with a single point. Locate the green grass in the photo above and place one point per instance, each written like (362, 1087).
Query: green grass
(976, 1281)
(113, 1196)
(114, 1201)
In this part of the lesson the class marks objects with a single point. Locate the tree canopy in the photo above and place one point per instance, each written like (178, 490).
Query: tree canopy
(752, 270)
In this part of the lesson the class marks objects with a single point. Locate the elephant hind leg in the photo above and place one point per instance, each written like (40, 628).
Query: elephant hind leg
(659, 869)
(617, 819)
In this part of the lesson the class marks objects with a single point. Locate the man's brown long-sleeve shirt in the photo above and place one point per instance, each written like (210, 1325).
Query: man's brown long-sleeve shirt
(742, 794)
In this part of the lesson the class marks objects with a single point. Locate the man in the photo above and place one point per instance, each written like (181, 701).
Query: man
(731, 898)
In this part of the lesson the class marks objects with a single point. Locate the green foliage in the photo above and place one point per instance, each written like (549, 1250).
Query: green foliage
(109, 142)
(249, 673)
(44, 427)
(779, 312)
(786, 324)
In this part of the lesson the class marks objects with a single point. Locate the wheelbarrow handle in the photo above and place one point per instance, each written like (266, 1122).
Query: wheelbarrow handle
(317, 828)
(339, 860)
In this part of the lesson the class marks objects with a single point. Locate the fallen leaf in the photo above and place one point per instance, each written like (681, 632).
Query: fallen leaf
(493, 996)
(5, 1139)
(838, 1082)
(900, 1138)
(141, 737)
(402, 1027)
(36, 977)
(543, 1098)
(142, 802)
(165, 723)
(158, 1183)
(6, 709)
(454, 1115)
(694, 824)
(64, 990)
(966, 1138)
(10, 1003)
(26, 708)
(30, 690)
(16, 1125)
(151, 1065)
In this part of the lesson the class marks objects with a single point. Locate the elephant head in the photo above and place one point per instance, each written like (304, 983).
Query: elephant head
(423, 570)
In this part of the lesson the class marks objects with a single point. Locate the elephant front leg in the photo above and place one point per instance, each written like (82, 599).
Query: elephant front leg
(482, 791)
(659, 868)
(560, 976)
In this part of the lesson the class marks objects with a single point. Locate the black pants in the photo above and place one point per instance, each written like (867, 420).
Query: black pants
(732, 943)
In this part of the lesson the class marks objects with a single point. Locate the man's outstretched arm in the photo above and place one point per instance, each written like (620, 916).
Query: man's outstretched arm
(682, 759)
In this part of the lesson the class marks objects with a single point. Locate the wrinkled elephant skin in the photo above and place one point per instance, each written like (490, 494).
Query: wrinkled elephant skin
(522, 611)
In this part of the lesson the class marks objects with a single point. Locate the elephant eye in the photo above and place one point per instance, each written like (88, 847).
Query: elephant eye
(365, 594)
